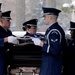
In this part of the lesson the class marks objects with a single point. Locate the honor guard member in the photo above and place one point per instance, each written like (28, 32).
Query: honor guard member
(52, 49)
(31, 28)
(69, 68)
(5, 38)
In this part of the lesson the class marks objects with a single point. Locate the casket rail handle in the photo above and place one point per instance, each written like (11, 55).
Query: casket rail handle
(25, 38)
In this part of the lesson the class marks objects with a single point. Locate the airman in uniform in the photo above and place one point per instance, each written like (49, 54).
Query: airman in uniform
(5, 38)
(69, 65)
(52, 49)
(31, 28)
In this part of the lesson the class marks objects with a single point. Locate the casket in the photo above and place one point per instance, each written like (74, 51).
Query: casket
(28, 55)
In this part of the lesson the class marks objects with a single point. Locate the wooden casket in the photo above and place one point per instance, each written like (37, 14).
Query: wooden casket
(26, 55)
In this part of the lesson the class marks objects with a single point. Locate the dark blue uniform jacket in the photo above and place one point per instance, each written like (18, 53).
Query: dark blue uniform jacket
(3, 48)
(70, 59)
(52, 50)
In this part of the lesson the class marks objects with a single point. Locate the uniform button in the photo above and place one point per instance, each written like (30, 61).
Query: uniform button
(7, 49)
(73, 44)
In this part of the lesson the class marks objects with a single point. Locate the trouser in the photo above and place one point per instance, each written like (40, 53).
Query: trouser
(1, 65)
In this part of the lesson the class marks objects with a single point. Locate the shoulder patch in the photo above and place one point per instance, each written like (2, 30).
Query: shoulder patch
(54, 31)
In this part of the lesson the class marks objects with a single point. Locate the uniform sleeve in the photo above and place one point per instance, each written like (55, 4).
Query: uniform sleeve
(1, 42)
(54, 42)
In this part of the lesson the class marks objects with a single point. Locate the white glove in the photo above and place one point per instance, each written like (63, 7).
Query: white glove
(36, 41)
(13, 40)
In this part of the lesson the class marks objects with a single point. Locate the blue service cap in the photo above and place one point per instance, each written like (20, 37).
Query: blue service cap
(6, 15)
(72, 25)
(50, 11)
(32, 22)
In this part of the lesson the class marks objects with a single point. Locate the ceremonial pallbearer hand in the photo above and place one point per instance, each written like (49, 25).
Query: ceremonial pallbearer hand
(13, 40)
(36, 41)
